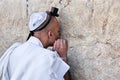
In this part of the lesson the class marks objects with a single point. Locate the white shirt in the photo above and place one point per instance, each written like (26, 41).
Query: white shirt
(30, 61)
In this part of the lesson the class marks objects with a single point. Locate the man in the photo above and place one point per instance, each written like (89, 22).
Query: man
(31, 60)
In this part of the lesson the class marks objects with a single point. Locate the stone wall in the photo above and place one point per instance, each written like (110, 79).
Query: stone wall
(13, 22)
(90, 26)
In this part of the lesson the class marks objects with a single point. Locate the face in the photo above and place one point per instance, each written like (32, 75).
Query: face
(55, 31)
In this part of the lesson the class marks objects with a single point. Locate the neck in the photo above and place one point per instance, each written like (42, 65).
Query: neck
(43, 40)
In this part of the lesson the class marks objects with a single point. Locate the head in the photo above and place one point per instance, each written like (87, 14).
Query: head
(53, 31)
(49, 34)
(45, 26)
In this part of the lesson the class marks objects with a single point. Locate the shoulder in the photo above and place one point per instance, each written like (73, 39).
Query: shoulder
(44, 51)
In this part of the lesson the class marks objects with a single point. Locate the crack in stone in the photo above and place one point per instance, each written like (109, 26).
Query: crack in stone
(27, 7)
(68, 2)
(105, 22)
(60, 1)
(90, 5)
(92, 9)
(65, 5)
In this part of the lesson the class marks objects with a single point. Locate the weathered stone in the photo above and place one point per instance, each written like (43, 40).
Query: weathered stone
(90, 26)
(13, 22)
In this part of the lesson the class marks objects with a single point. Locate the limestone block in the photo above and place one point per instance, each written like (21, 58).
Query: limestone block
(90, 26)
(13, 22)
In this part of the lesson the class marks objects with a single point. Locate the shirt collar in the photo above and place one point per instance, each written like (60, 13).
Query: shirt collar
(35, 41)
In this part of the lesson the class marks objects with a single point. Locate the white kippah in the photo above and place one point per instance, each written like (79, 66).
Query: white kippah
(36, 19)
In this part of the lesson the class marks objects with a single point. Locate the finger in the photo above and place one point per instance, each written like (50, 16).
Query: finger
(66, 44)
(54, 46)
(57, 44)
(61, 43)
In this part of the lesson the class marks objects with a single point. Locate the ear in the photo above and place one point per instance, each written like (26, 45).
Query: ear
(50, 34)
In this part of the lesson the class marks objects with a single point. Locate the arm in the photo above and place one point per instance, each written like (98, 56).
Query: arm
(67, 75)
(61, 47)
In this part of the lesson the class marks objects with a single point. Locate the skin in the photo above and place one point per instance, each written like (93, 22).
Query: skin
(50, 36)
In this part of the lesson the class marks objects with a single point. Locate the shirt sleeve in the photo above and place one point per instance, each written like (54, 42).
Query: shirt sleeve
(59, 67)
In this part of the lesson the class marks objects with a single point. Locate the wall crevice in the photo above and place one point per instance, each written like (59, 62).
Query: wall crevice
(27, 13)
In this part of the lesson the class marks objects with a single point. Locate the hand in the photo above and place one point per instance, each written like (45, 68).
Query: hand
(61, 47)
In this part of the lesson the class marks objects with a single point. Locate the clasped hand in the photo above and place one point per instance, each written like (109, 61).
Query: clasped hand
(61, 47)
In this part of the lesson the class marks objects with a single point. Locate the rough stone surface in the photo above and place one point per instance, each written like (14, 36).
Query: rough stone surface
(90, 26)
(13, 20)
